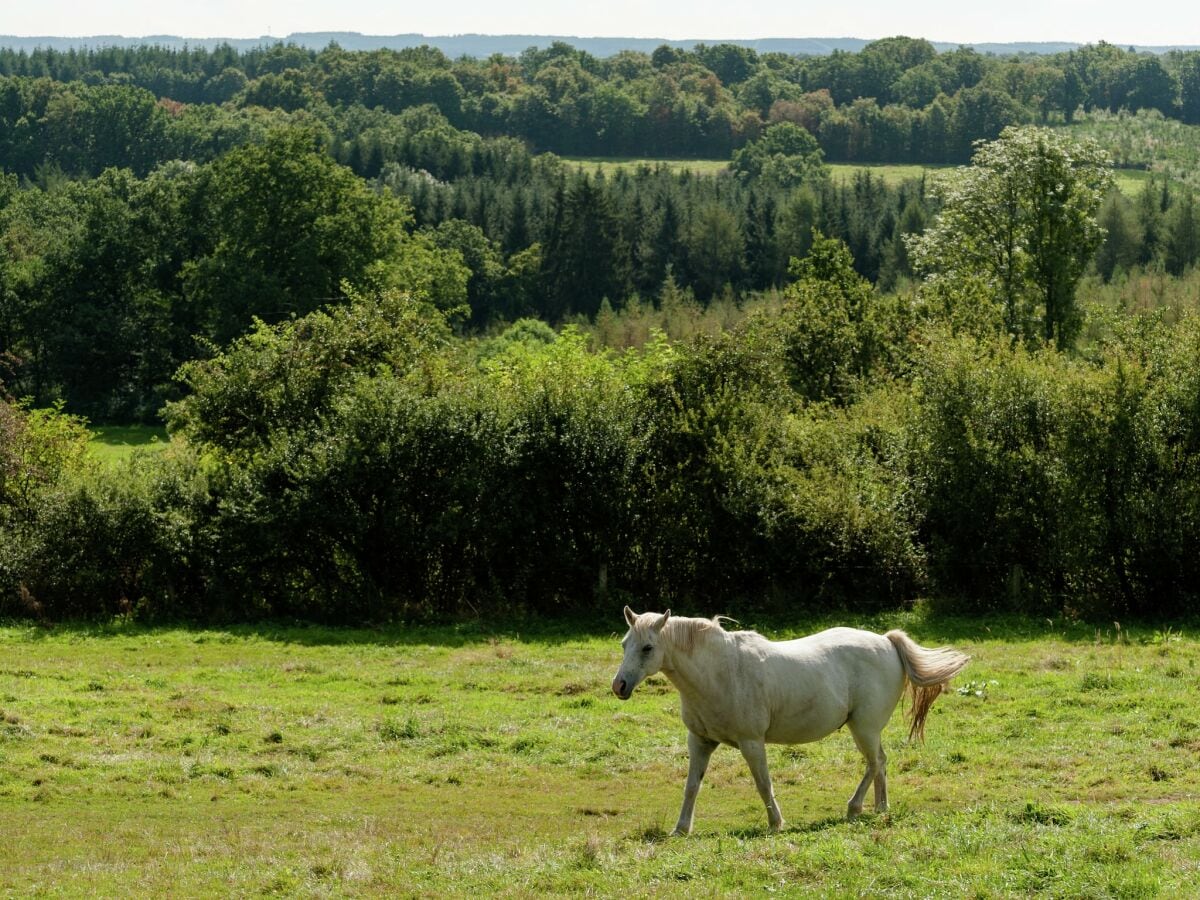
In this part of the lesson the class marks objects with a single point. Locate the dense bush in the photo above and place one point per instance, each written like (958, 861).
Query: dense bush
(364, 464)
(117, 543)
(361, 465)
(1051, 483)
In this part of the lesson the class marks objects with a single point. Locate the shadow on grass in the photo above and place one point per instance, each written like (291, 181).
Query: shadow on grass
(758, 832)
(452, 635)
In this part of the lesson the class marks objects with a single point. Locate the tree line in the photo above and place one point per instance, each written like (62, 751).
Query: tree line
(896, 100)
(364, 460)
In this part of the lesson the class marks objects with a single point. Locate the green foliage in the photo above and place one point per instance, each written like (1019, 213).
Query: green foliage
(751, 498)
(105, 285)
(1022, 217)
(358, 457)
(786, 154)
(1182, 249)
(1145, 141)
(118, 542)
(1050, 483)
(287, 227)
(1122, 245)
(76, 540)
(39, 449)
(284, 378)
(836, 330)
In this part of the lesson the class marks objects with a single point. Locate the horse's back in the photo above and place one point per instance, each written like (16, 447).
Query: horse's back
(839, 643)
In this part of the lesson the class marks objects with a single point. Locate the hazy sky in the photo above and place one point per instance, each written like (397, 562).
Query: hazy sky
(1145, 22)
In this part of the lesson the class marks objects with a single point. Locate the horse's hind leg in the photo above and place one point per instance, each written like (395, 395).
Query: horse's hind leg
(871, 747)
(755, 753)
(881, 804)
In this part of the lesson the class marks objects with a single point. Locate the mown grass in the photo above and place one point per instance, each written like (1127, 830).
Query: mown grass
(112, 444)
(1131, 182)
(460, 761)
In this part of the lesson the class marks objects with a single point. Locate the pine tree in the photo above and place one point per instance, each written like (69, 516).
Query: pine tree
(516, 231)
(1149, 216)
(1122, 242)
(1183, 237)
(761, 247)
(580, 251)
(665, 247)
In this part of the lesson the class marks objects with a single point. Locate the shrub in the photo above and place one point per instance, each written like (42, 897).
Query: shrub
(110, 543)
(1050, 483)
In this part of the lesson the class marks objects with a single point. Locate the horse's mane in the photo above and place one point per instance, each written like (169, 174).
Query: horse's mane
(684, 632)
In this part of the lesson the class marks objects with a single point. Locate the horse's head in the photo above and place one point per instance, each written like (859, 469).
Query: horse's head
(643, 650)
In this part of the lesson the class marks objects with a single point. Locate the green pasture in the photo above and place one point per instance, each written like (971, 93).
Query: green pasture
(112, 444)
(609, 165)
(494, 761)
(1128, 181)
(892, 174)
(1131, 181)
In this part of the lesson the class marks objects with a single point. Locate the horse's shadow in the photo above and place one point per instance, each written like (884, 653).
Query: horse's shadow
(762, 831)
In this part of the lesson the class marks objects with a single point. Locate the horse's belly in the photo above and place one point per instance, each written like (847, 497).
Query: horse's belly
(804, 727)
(722, 726)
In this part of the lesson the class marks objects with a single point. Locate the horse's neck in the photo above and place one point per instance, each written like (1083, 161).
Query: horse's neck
(695, 673)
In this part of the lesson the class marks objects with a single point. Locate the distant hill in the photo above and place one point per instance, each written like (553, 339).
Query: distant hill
(483, 45)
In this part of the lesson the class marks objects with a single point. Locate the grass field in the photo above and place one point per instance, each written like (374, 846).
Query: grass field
(467, 761)
(611, 164)
(1129, 181)
(114, 443)
(892, 174)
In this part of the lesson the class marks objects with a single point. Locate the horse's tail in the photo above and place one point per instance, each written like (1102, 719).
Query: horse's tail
(926, 672)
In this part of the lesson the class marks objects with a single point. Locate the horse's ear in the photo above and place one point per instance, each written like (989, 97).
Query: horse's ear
(658, 626)
(630, 616)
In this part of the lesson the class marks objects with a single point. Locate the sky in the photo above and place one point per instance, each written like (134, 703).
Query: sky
(969, 21)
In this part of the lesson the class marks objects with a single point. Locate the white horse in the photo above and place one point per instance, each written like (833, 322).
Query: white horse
(740, 689)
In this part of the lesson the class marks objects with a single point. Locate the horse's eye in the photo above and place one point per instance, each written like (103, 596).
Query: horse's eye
(647, 648)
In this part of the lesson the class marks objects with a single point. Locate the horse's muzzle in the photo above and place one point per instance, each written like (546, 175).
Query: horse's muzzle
(620, 689)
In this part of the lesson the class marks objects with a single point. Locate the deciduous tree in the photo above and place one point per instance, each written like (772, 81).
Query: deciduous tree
(1023, 216)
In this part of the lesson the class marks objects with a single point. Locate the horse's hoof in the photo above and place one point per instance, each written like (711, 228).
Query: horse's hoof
(853, 813)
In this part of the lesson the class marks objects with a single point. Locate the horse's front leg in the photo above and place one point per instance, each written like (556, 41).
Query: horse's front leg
(699, 752)
(755, 753)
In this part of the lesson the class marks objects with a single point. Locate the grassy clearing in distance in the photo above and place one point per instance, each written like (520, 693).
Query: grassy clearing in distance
(308, 761)
(113, 444)
(892, 174)
(611, 164)
(1129, 181)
